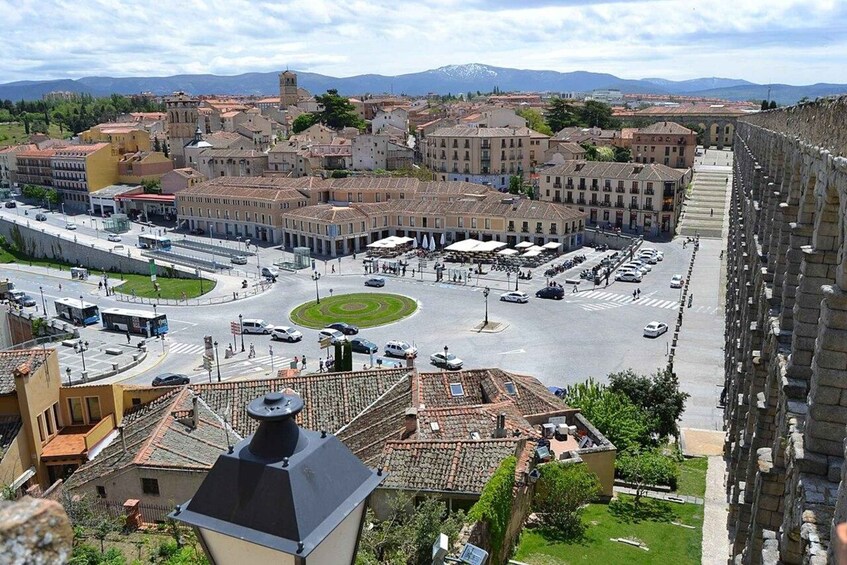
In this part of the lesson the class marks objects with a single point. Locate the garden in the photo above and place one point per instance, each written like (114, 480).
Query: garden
(365, 310)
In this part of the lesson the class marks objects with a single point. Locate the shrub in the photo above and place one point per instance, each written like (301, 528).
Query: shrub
(645, 469)
(560, 495)
(614, 414)
(495, 503)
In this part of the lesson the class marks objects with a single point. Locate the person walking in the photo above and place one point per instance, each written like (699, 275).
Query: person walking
(127, 337)
(304, 362)
(320, 365)
(638, 290)
(711, 212)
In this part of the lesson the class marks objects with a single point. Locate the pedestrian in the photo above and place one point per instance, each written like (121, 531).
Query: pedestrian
(333, 269)
(100, 285)
(320, 365)
(127, 337)
(413, 273)
(638, 290)
(711, 212)
(304, 362)
(354, 255)
(633, 295)
(574, 291)
(252, 353)
(60, 286)
(296, 361)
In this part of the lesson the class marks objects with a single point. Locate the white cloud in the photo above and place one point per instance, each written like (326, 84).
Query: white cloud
(793, 41)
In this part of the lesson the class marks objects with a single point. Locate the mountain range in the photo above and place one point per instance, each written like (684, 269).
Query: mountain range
(453, 79)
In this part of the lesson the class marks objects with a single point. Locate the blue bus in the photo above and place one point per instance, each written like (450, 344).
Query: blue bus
(76, 311)
(138, 322)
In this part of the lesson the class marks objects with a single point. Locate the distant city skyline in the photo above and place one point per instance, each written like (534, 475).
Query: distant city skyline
(779, 41)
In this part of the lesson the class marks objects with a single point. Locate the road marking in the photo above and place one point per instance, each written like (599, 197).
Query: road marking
(513, 351)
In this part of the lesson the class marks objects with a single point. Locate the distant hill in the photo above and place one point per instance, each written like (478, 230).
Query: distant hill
(453, 79)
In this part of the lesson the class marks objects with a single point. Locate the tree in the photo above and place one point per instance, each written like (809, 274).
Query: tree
(152, 186)
(561, 114)
(304, 122)
(596, 114)
(515, 184)
(644, 469)
(658, 395)
(338, 112)
(605, 153)
(614, 414)
(772, 105)
(623, 155)
(764, 105)
(560, 495)
(534, 120)
(590, 151)
(51, 196)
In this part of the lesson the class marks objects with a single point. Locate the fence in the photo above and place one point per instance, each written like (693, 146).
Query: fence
(252, 290)
(150, 513)
(211, 248)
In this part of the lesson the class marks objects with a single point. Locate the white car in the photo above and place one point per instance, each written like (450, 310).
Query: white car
(270, 272)
(114, 237)
(334, 336)
(638, 268)
(286, 333)
(518, 296)
(655, 329)
(70, 226)
(649, 258)
(676, 281)
(256, 327)
(641, 263)
(448, 361)
(238, 260)
(397, 348)
(628, 276)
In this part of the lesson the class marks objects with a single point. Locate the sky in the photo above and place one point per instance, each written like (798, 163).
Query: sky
(763, 41)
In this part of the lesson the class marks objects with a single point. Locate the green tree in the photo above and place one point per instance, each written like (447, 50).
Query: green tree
(623, 154)
(535, 120)
(614, 414)
(88, 555)
(51, 196)
(304, 122)
(494, 506)
(658, 395)
(590, 151)
(561, 114)
(515, 184)
(152, 186)
(338, 112)
(560, 496)
(764, 105)
(596, 114)
(605, 153)
(772, 105)
(646, 468)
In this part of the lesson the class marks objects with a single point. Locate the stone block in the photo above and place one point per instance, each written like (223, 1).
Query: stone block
(34, 531)
(833, 340)
(825, 394)
(829, 377)
(828, 413)
(832, 360)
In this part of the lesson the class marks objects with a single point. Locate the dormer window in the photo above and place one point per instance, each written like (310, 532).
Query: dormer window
(510, 388)
(456, 390)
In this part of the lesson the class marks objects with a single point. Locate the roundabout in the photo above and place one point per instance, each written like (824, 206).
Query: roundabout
(365, 310)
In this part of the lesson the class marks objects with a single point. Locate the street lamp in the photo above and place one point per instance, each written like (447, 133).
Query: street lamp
(517, 278)
(43, 303)
(68, 371)
(316, 277)
(241, 325)
(282, 495)
(485, 292)
(445, 356)
(81, 347)
(218, 361)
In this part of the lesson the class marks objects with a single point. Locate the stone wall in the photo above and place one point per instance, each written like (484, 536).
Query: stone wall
(786, 333)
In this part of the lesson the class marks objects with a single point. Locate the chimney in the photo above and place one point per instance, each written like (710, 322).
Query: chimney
(123, 438)
(410, 422)
(195, 415)
(500, 432)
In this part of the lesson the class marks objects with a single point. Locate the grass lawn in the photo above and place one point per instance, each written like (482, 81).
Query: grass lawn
(365, 310)
(692, 477)
(13, 133)
(169, 288)
(667, 542)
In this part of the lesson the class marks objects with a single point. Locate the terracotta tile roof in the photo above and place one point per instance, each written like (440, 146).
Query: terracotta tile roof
(570, 146)
(79, 150)
(671, 128)
(327, 213)
(38, 153)
(690, 110)
(224, 139)
(375, 183)
(446, 465)
(610, 170)
(232, 153)
(465, 131)
(459, 422)
(188, 172)
(22, 360)
(9, 428)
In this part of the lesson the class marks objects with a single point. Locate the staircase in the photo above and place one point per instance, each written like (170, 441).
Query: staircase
(705, 208)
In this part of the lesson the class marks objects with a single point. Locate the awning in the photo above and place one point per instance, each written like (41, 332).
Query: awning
(524, 244)
(147, 197)
(551, 245)
(507, 252)
(475, 246)
(532, 253)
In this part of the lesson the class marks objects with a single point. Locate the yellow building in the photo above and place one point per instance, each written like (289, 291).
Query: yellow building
(80, 169)
(144, 165)
(125, 138)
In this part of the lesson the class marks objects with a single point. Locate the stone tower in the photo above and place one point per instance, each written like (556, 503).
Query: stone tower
(182, 121)
(287, 89)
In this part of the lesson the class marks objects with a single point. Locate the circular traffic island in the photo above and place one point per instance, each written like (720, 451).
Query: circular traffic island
(365, 310)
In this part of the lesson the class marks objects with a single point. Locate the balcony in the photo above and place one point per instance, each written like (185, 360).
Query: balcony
(557, 199)
(525, 228)
(619, 205)
(594, 188)
(606, 203)
(581, 201)
(648, 191)
(633, 191)
(511, 227)
(620, 190)
(569, 186)
(557, 185)
(553, 231)
(607, 189)
(648, 206)
(667, 208)
(539, 230)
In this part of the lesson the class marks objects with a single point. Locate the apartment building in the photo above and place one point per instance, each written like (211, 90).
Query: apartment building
(231, 163)
(124, 137)
(34, 166)
(9, 163)
(637, 198)
(133, 168)
(665, 142)
(80, 169)
(372, 151)
(487, 156)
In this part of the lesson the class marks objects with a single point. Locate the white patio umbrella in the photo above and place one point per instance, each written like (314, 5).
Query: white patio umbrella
(443, 239)
(416, 242)
(432, 243)
(425, 242)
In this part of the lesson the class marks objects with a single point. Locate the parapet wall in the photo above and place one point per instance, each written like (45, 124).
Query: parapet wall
(786, 333)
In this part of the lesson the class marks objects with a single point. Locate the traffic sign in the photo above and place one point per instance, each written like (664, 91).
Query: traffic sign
(325, 342)
(234, 328)
(207, 363)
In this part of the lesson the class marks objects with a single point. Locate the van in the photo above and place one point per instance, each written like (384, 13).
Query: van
(256, 327)
(396, 348)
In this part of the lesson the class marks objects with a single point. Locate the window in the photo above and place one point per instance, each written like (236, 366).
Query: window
(150, 486)
(41, 433)
(488, 223)
(461, 222)
(77, 415)
(456, 389)
(473, 223)
(510, 388)
(101, 491)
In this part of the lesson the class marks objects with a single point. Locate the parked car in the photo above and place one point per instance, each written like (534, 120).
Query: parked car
(11, 204)
(334, 336)
(397, 348)
(641, 264)
(649, 258)
(70, 226)
(448, 361)
(655, 329)
(515, 296)
(676, 281)
(238, 260)
(171, 379)
(628, 276)
(343, 327)
(375, 281)
(26, 300)
(631, 266)
(41, 217)
(362, 345)
(554, 292)
(255, 326)
(270, 272)
(197, 231)
(114, 237)
(286, 333)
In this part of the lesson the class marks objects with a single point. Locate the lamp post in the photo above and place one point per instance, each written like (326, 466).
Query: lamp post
(218, 361)
(241, 326)
(282, 495)
(68, 371)
(316, 276)
(43, 303)
(446, 349)
(81, 347)
(517, 278)
(485, 292)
